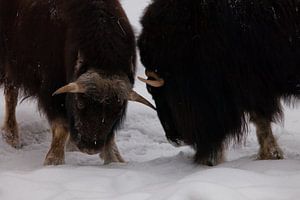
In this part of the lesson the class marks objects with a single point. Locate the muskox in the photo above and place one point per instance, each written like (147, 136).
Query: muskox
(214, 64)
(82, 52)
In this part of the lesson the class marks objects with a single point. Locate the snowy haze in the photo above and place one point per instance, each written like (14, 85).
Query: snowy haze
(155, 170)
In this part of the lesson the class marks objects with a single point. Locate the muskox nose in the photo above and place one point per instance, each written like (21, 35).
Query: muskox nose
(90, 146)
(90, 151)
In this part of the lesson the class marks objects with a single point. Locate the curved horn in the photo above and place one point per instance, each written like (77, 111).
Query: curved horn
(157, 82)
(153, 83)
(134, 96)
(152, 74)
(70, 88)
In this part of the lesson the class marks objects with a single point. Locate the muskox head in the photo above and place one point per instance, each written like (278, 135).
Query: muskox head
(163, 99)
(96, 103)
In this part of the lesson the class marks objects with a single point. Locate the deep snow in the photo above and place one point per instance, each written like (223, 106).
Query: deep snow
(154, 169)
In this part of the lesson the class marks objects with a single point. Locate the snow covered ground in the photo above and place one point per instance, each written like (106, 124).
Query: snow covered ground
(154, 170)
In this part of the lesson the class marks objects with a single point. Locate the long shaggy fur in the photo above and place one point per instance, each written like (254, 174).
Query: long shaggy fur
(220, 60)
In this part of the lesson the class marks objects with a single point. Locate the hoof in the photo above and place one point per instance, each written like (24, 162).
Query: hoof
(218, 158)
(11, 138)
(272, 154)
(54, 159)
(111, 158)
(209, 162)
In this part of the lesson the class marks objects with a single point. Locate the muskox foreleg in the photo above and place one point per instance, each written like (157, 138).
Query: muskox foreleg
(212, 159)
(60, 134)
(110, 152)
(269, 149)
(10, 127)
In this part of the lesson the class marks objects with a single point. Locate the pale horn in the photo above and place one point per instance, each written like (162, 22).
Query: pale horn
(134, 96)
(70, 88)
(157, 82)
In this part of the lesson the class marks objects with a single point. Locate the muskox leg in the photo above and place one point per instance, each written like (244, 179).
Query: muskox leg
(10, 126)
(269, 149)
(213, 159)
(110, 152)
(60, 134)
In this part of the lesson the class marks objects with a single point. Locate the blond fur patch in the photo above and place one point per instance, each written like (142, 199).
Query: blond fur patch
(110, 153)
(60, 134)
(10, 127)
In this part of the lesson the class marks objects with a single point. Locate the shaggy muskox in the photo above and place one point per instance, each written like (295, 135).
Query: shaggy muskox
(213, 63)
(84, 47)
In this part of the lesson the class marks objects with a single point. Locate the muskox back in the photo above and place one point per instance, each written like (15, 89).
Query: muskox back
(220, 60)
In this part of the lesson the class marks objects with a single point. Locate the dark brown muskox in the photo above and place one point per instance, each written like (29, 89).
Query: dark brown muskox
(86, 46)
(211, 63)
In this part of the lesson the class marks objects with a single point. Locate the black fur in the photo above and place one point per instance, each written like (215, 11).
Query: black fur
(220, 60)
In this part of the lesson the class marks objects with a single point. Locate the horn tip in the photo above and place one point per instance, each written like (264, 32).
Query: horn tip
(141, 79)
(54, 93)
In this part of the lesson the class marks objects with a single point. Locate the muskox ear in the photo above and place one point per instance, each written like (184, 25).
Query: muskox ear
(70, 88)
(134, 96)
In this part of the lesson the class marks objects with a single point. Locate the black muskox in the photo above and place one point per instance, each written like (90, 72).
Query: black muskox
(84, 47)
(212, 63)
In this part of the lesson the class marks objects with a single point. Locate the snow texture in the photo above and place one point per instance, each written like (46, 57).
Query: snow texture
(155, 170)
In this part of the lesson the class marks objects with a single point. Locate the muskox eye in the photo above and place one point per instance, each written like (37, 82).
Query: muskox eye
(80, 105)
